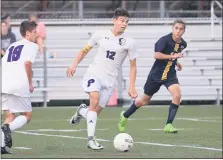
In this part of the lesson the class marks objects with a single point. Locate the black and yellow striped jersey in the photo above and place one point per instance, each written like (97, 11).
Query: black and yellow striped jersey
(165, 69)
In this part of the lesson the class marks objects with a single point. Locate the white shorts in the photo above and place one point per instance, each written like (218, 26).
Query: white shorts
(93, 83)
(15, 104)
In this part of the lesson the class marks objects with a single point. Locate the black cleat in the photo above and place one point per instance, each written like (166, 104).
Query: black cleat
(5, 150)
(8, 138)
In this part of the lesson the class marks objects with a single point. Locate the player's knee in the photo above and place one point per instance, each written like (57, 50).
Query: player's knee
(138, 103)
(28, 116)
(10, 116)
(94, 100)
(141, 102)
(177, 97)
(93, 105)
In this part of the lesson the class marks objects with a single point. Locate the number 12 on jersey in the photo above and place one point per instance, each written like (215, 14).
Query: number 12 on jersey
(110, 55)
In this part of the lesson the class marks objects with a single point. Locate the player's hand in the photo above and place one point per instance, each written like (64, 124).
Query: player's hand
(132, 93)
(176, 55)
(179, 66)
(31, 88)
(70, 71)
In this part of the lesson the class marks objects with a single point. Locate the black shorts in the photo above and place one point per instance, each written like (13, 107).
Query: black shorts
(152, 86)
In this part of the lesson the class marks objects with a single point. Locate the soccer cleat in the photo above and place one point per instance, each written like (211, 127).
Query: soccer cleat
(7, 132)
(93, 144)
(77, 117)
(169, 128)
(5, 150)
(122, 122)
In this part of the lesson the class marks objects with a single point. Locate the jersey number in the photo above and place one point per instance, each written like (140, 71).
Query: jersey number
(14, 53)
(110, 55)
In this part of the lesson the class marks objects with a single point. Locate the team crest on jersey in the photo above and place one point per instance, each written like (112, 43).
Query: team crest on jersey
(122, 41)
(182, 47)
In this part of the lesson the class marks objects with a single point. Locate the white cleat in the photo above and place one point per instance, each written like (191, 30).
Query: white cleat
(94, 145)
(77, 117)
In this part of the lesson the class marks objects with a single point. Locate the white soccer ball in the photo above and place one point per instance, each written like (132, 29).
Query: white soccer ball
(123, 142)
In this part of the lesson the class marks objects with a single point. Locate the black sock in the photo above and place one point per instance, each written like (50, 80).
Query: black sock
(131, 110)
(172, 112)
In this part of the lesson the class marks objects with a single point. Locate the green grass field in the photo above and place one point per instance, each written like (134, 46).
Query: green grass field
(49, 134)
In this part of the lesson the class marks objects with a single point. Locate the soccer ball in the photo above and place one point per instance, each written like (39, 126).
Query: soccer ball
(123, 142)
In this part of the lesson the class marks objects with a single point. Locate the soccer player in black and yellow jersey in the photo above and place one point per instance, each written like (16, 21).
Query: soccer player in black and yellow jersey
(167, 50)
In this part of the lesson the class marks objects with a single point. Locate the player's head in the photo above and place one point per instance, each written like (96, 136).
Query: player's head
(6, 18)
(28, 30)
(120, 19)
(33, 17)
(178, 28)
(4, 28)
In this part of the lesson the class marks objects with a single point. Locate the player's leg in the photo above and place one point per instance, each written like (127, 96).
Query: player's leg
(17, 104)
(6, 138)
(23, 106)
(81, 112)
(92, 120)
(124, 115)
(150, 88)
(104, 95)
(20, 120)
(90, 83)
(175, 91)
(9, 117)
(6, 132)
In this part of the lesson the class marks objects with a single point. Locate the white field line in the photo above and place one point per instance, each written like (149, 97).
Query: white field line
(161, 129)
(152, 118)
(105, 140)
(198, 119)
(26, 148)
(65, 130)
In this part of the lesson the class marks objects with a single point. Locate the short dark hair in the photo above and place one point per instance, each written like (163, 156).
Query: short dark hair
(121, 12)
(27, 26)
(4, 22)
(179, 21)
(5, 16)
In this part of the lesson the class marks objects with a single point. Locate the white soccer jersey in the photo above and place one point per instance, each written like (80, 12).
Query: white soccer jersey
(112, 51)
(14, 76)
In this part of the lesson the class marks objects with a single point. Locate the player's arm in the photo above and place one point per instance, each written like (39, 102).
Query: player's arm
(179, 66)
(82, 53)
(132, 79)
(159, 48)
(159, 55)
(29, 60)
(28, 68)
(133, 54)
(80, 56)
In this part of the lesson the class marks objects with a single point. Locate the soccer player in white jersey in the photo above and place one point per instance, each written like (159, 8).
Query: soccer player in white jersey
(99, 82)
(17, 82)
